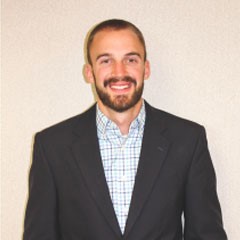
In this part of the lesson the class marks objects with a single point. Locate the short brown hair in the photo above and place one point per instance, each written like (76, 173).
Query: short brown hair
(114, 24)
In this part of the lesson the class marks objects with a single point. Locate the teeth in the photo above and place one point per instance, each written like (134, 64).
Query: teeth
(121, 87)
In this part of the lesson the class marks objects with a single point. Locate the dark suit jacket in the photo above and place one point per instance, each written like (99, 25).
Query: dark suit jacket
(68, 193)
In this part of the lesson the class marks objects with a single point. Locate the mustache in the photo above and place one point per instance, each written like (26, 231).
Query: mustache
(123, 79)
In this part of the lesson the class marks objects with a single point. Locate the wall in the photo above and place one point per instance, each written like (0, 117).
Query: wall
(194, 49)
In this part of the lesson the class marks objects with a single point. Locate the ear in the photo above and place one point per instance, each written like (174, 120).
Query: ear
(88, 72)
(147, 70)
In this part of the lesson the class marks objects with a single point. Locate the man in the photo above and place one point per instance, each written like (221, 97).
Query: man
(122, 169)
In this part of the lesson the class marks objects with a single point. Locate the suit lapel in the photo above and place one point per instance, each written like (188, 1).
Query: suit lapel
(87, 155)
(154, 151)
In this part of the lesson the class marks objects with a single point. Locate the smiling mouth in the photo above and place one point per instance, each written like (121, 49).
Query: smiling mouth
(120, 83)
(121, 86)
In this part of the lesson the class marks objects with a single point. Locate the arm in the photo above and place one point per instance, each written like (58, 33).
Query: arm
(203, 218)
(41, 213)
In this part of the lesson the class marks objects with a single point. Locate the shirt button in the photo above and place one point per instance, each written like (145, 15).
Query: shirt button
(123, 178)
(125, 210)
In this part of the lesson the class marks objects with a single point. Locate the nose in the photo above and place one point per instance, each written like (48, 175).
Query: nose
(119, 69)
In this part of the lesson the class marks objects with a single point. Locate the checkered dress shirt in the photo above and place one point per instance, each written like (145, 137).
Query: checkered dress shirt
(120, 156)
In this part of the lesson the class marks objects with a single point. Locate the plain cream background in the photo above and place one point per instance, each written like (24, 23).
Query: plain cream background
(194, 49)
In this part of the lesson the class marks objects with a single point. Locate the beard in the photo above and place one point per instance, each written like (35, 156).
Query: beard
(123, 102)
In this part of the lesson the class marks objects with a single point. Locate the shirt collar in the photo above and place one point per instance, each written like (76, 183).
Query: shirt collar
(104, 123)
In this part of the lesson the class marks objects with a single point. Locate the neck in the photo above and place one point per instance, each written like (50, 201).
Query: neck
(122, 119)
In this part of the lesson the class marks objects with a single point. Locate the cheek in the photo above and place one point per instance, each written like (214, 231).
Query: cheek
(139, 74)
(103, 73)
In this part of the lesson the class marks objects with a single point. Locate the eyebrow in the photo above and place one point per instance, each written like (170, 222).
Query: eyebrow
(133, 54)
(103, 55)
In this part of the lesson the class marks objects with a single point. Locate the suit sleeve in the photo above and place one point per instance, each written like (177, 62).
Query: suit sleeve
(41, 212)
(203, 218)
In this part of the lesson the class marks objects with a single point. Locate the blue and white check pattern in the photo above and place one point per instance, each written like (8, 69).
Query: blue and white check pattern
(120, 156)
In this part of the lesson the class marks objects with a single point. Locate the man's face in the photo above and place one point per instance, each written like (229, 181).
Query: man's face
(118, 68)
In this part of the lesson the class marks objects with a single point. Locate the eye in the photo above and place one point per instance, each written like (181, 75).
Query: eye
(105, 61)
(132, 60)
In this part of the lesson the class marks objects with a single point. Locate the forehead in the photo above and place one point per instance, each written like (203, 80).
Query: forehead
(109, 40)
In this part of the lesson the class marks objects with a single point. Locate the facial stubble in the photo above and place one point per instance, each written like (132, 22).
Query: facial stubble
(120, 103)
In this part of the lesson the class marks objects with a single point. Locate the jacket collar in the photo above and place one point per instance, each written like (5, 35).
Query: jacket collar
(87, 155)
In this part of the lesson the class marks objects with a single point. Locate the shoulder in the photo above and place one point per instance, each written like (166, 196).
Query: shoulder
(66, 129)
(182, 134)
(173, 126)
